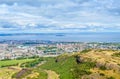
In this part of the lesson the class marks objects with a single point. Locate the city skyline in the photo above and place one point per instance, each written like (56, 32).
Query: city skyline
(59, 16)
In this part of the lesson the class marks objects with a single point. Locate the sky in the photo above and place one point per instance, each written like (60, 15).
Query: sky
(59, 16)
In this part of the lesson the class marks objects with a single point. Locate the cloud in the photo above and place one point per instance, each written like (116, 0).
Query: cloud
(59, 15)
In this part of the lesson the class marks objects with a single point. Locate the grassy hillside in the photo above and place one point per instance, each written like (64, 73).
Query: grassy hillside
(30, 70)
(62, 68)
(30, 74)
(6, 73)
(13, 62)
(67, 67)
(22, 68)
(95, 64)
(88, 64)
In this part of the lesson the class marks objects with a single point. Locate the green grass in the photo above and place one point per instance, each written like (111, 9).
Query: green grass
(48, 49)
(62, 68)
(116, 54)
(14, 62)
(31, 63)
(32, 68)
(67, 67)
(111, 77)
(85, 51)
(27, 72)
(42, 74)
(102, 68)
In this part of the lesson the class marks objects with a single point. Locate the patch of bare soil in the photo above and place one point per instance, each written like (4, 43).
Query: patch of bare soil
(52, 74)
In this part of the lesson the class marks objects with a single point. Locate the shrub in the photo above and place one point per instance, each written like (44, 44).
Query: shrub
(102, 74)
(111, 77)
(32, 63)
(116, 54)
(102, 67)
(85, 51)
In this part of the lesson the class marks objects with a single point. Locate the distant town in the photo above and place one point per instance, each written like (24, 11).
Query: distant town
(13, 49)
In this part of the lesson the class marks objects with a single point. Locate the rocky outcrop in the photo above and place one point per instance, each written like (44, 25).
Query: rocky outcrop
(93, 76)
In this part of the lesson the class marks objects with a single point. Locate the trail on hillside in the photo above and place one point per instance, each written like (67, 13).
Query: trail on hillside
(41, 63)
(52, 74)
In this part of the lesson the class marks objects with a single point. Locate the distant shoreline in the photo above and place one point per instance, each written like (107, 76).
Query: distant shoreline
(66, 37)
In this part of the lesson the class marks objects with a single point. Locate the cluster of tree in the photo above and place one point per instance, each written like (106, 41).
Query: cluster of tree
(32, 63)
(5, 59)
(9, 65)
(85, 51)
(24, 57)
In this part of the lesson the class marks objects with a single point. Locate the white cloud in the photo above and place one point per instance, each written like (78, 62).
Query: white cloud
(60, 15)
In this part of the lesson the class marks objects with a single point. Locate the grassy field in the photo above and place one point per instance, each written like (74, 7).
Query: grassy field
(14, 62)
(10, 69)
(6, 73)
(30, 70)
(33, 73)
(11, 72)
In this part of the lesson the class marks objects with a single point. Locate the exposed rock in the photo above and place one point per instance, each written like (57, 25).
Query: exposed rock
(99, 64)
(21, 73)
(78, 59)
(113, 66)
(93, 76)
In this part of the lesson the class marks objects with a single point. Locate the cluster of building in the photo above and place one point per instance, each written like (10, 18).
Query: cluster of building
(13, 51)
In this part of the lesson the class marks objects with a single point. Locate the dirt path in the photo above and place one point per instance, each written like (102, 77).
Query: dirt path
(52, 74)
(41, 63)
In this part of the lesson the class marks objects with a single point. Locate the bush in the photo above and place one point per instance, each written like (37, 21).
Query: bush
(102, 74)
(116, 54)
(102, 67)
(82, 69)
(111, 77)
(85, 51)
(32, 63)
